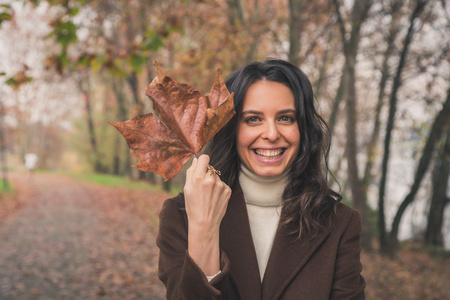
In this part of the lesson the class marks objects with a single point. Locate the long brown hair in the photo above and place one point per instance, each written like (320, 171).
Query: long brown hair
(308, 202)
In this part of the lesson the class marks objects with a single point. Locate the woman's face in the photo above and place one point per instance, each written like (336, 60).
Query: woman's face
(268, 138)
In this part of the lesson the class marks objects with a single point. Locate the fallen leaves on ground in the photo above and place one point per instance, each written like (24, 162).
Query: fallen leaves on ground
(414, 274)
(71, 240)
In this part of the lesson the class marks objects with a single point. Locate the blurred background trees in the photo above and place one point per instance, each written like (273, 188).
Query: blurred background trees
(380, 70)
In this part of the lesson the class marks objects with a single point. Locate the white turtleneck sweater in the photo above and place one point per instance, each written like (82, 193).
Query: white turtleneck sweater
(263, 197)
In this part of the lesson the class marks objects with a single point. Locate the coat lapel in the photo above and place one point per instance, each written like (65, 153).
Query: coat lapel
(236, 240)
(287, 258)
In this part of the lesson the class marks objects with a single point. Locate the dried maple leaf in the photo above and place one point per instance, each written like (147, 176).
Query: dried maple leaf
(186, 122)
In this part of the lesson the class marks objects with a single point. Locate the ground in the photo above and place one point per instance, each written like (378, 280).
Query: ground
(66, 239)
(414, 274)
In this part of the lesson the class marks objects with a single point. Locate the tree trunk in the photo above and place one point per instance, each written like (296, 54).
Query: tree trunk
(133, 83)
(255, 12)
(350, 48)
(440, 122)
(323, 68)
(4, 167)
(253, 50)
(137, 109)
(384, 247)
(295, 23)
(441, 172)
(336, 104)
(236, 14)
(122, 114)
(359, 197)
(371, 147)
(167, 185)
(84, 88)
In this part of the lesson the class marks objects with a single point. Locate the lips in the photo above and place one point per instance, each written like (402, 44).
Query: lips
(269, 153)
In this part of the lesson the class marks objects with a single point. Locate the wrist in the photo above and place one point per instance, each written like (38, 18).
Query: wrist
(204, 238)
(203, 229)
(204, 250)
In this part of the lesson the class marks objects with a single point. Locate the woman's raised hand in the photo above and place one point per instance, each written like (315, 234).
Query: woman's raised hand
(206, 195)
(206, 198)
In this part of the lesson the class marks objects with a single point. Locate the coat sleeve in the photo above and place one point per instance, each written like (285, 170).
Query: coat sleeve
(179, 273)
(348, 282)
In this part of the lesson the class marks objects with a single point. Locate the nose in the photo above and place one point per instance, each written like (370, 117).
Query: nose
(271, 132)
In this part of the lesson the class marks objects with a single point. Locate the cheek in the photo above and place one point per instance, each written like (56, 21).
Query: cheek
(297, 138)
(294, 139)
(243, 137)
(292, 135)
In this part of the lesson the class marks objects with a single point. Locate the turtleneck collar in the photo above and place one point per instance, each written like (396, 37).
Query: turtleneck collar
(260, 190)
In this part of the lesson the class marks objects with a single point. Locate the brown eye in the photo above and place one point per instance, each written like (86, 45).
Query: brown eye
(286, 119)
(251, 119)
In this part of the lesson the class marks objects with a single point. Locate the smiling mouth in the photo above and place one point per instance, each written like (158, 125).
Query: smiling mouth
(269, 154)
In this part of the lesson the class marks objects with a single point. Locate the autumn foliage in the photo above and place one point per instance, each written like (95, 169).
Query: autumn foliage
(185, 121)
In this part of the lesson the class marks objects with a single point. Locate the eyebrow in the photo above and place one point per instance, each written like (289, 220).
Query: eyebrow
(255, 112)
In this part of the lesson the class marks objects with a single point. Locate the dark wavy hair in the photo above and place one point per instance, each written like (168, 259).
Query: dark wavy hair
(308, 203)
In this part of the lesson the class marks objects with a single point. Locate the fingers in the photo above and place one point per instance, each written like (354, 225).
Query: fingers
(206, 195)
(199, 166)
(201, 175)
(196, 173)
(202, 165)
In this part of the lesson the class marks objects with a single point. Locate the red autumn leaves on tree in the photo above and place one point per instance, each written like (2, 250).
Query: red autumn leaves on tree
(185, 122)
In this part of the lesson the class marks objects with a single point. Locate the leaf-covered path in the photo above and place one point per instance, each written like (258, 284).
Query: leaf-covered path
(65, 239)
(73, 240)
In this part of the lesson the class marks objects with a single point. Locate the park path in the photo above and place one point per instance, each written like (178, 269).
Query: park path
(73, 240)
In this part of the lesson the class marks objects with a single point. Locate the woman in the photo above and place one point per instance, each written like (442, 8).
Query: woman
(269, 227)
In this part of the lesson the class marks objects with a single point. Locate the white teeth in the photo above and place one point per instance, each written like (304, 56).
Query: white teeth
(269, 153)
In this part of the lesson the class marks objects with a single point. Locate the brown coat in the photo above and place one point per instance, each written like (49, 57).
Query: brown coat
(327, 268)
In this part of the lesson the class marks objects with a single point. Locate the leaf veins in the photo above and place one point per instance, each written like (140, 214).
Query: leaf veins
(185, 122)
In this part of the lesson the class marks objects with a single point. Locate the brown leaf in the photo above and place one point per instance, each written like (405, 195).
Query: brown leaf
(185, 122)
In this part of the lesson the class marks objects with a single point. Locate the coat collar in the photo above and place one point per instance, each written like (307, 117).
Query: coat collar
(287, 258)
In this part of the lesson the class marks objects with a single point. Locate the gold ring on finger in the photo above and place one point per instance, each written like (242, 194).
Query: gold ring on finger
(213, 171)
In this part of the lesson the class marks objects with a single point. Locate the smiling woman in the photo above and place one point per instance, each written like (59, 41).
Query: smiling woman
(268, 137)
(269, 227)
